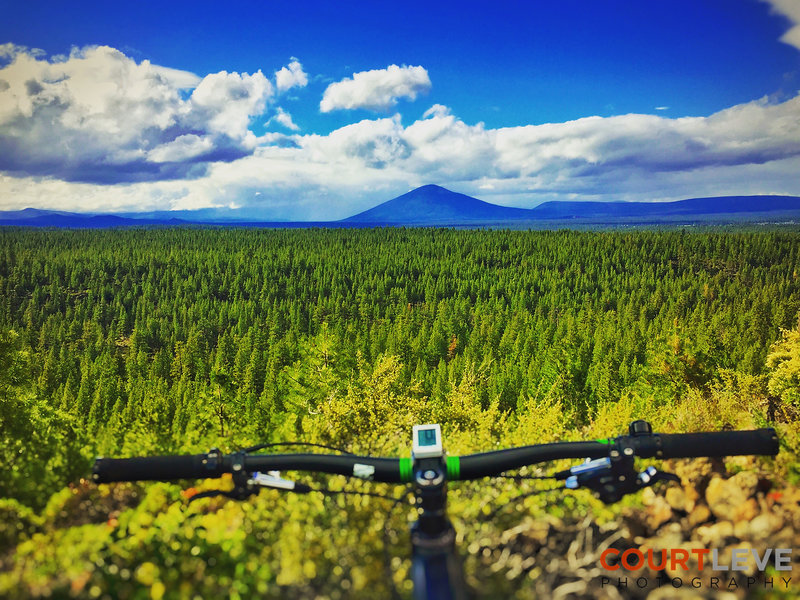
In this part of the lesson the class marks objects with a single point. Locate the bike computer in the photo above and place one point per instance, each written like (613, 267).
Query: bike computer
(427, 441)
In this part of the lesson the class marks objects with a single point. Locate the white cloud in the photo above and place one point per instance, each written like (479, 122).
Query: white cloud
(437, 110)
(377, 90)
(448, 148)
(375, 144)
(752, 148)
(10, 50)
(291, 76)
(224, 102)
(791, 10)
(283, 118)
(98, 116)
(181, 80)
(181, 148)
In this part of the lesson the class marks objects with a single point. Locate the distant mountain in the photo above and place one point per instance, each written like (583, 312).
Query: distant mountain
(435, 205)
(32, 217)
(721, 205)
(28, 213)
(432, 204)
(195, 215)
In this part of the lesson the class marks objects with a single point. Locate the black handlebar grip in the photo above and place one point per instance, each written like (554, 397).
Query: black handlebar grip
(719, 443)
(153, 468)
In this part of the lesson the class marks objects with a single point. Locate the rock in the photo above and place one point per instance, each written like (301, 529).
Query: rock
(671, 536)
(676, 498)
(699, 515)
(658, 513)
(714, 536)
(634, 520)
(692, 495)
(724, 497)
(747, 511)
(763, 525)
(747, 481)
(696, 472)
(742, 462)
(741, 529)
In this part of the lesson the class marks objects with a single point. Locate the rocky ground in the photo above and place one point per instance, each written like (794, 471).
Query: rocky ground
(712, 509)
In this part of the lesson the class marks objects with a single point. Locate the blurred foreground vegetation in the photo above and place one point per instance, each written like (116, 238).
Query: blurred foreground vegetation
(137, 342)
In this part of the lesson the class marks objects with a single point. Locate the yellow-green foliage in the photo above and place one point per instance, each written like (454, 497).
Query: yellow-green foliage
(784, 363)
(287, 546)
(541, 422)
(466, 425)
(374, 413)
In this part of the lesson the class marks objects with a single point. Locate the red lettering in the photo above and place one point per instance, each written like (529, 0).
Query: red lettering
(701, 553)
(604, 556)
(684, 556)
(651, 560)
(639, 556)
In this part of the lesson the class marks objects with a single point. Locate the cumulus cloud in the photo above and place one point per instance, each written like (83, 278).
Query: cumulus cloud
(753, 148)
(377, 90)
(224, 102)
(10, 50)
(291, 76)
(283, 118)
(437, 110)
(182, 148)
(98, 116)
(791, 10)
(375, 144)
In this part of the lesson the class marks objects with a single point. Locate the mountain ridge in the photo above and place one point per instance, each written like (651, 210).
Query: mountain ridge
(432, 205)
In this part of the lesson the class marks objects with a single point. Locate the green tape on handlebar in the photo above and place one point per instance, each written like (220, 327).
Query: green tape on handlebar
(405, 470)
(606, 441)
(453, 468)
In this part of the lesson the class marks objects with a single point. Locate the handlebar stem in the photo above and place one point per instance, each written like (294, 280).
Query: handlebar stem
(430, 478)
(436, 569)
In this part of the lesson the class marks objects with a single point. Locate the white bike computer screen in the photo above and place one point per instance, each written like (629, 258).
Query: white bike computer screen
(427, 441)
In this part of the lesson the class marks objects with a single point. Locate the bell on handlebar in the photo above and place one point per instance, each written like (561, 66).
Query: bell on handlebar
(639, 427)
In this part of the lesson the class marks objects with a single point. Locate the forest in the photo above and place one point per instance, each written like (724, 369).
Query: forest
(136, 342)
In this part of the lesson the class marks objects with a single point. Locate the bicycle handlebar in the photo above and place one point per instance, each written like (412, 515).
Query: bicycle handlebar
(474, 466)
(720, 443)
(197, 466)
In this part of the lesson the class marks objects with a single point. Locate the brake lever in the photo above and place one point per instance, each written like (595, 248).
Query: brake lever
(243, 488)
(611, 480)
(245, 485)
(273, 479)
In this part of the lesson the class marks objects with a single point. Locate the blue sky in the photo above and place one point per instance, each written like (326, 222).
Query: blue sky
(315, 110)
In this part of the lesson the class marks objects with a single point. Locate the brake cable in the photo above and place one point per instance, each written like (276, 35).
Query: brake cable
(271, 445)
(516, 499)
(523, 477)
